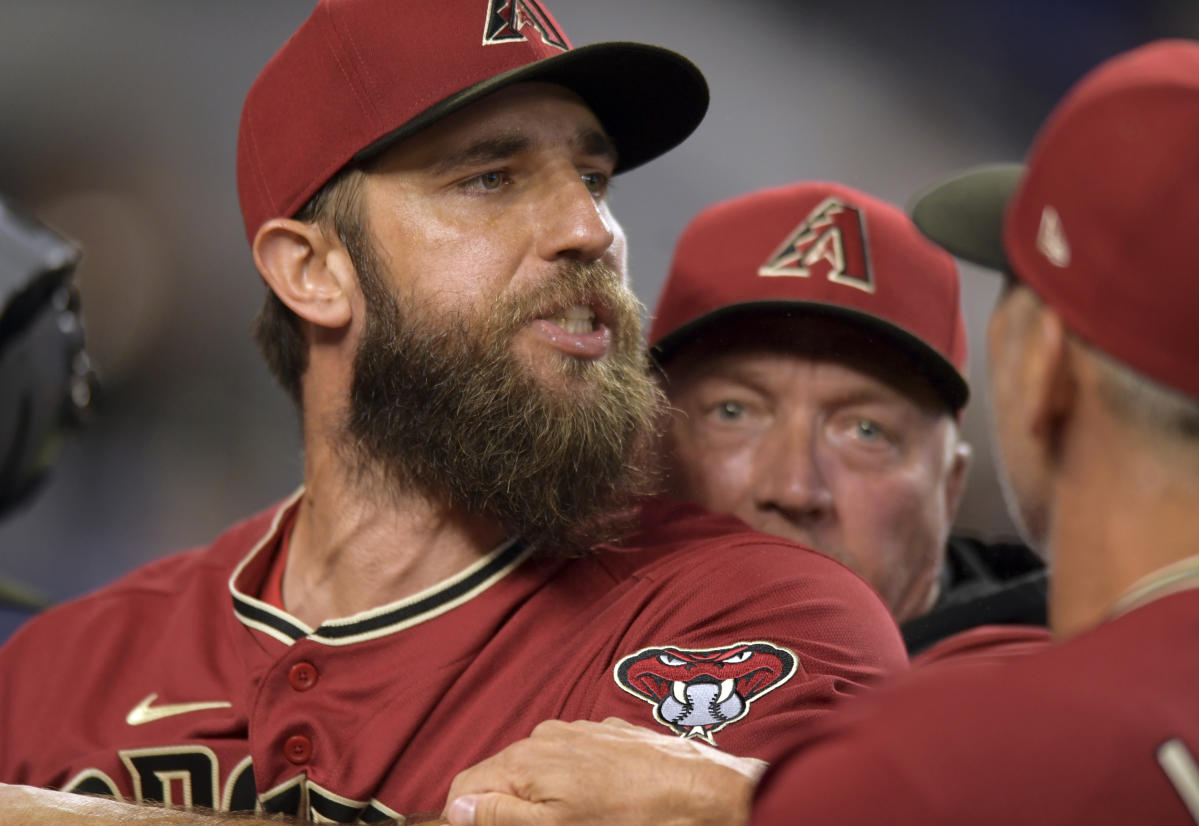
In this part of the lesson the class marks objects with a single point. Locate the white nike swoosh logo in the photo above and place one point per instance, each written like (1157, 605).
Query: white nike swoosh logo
(144, 713)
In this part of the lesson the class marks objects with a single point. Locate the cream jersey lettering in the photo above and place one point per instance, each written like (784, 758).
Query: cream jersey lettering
(1102, 729)
(178, 684)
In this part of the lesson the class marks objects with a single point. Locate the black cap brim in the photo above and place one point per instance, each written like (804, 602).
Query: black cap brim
(939, 372)
(965, 213)
(647, 98)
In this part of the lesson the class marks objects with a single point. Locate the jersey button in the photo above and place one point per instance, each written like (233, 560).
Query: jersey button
(302, 676)
(298, 749)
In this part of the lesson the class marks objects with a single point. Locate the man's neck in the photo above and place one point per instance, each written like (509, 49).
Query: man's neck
(1115, 523)
(354, 549)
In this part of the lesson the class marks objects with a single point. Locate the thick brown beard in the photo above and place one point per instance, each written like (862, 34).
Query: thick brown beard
(447, 409)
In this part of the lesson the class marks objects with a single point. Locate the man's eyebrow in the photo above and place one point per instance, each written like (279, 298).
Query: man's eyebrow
(487, 150)
(595, 143)
(591, 142)
(867, 395)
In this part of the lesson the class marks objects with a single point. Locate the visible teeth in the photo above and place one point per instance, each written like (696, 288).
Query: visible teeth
(679, 690)
(726, 690)
(576, 320)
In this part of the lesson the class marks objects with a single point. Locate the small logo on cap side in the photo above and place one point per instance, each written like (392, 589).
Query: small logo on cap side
(507, 19)
(830, 241)
(1051, 240)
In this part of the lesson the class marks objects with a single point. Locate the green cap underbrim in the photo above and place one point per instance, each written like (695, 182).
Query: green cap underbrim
(965, 213)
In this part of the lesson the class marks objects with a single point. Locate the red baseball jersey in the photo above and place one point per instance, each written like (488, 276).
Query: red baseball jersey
(985, 641)
(179, 684)
(1102, 729)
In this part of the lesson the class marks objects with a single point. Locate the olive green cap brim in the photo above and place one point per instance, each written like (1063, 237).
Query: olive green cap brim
(965, 213)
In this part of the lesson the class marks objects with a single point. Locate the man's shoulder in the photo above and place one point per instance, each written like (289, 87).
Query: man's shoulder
(702, 616)
(1153, 643)
(1070, 733)
(162, 581)
(1099, 680)
(186, 568)
(1106, 671)
(706, 572)
(678, 537)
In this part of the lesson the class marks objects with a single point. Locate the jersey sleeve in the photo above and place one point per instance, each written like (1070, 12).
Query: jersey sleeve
(748, 645)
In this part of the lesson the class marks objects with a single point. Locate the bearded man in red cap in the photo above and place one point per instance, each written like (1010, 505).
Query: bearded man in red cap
(424, 185)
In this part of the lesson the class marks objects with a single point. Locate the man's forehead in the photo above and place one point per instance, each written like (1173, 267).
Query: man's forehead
(766, 348)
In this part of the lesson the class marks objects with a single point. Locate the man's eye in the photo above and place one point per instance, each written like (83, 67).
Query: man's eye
(596, 182)
(868, 431)
(729, 411)
(490, 180)
(866, 438)
(485, 182)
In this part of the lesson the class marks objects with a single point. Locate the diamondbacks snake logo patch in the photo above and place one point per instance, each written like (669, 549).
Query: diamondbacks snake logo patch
(697, 692)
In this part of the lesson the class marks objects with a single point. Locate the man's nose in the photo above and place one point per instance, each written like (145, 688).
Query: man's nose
(574, 224)
(789, 480)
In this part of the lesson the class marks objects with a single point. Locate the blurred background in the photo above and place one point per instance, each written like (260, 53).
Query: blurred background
(119, 129)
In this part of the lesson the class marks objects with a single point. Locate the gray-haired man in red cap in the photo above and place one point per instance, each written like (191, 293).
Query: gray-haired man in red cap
(812, 347)
(1093, 349)
(424, 189)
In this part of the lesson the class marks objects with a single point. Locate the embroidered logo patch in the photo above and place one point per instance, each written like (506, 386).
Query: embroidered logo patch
(830, 243)
(507, 21)
(1051, 240)
(697, 692)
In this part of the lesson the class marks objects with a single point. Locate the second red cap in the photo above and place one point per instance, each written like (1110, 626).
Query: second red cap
(827, 249)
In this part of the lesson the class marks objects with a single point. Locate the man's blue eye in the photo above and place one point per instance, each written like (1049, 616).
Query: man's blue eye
(730, 411)
(868, 430)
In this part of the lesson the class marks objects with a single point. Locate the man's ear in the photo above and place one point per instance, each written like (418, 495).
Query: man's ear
(1054, 379)
(312, 275)
(955, 483)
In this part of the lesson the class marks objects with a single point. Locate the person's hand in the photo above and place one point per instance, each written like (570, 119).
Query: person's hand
(611, 773)
(29, 806)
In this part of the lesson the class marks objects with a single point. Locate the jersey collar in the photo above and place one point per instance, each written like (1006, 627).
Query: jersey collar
(248, 578)
(1182, 575)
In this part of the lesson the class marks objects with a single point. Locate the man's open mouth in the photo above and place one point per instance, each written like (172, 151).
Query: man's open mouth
(576, 319)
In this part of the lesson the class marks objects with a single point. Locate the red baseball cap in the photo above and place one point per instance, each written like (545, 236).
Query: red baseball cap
(359, 75)
(1101, 221)
(824, 249)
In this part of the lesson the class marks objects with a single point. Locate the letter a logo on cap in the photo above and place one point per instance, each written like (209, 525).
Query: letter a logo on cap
(831, 242)
(1051, 240)
(507, 20)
